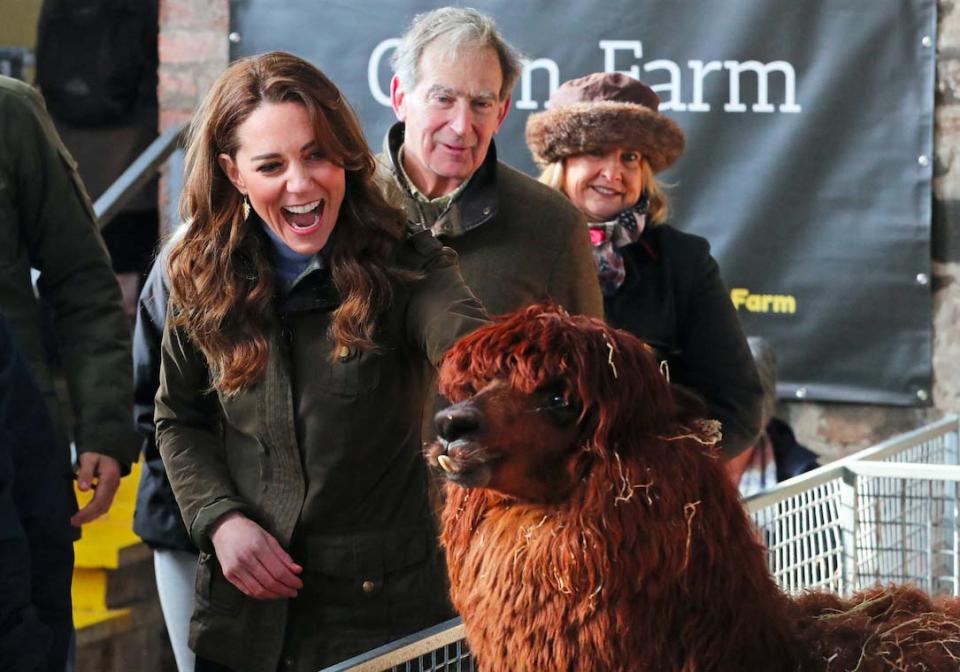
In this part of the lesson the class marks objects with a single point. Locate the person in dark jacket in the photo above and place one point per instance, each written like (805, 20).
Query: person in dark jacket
(776, 455)
(518, 242)
(96, 66)
(157, 518)
(601, 141)
(302, 330)
(36, 541)
(47, 223)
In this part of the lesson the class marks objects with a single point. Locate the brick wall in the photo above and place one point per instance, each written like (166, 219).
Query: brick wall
(194, 50)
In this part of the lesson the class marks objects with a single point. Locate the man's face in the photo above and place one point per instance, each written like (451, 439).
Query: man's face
(451, 116)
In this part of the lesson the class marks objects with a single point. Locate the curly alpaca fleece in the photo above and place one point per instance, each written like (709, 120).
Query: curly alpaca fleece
(649, 563)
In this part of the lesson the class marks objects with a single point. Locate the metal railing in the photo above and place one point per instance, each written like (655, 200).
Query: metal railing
(887, 513)
(442, 647)
(142, 170)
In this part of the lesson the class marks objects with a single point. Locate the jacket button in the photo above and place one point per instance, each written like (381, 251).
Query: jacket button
(486, 211)
(368, 586)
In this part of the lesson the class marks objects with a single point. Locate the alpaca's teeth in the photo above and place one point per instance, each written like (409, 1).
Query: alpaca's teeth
(446, 464)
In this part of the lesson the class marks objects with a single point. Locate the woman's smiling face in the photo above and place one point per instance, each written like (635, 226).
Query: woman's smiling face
(604, 183)
(279, 164)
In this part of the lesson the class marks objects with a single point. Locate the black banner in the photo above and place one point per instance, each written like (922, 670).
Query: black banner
(809, 161)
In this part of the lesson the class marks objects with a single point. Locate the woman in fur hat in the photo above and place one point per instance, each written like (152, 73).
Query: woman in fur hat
(602, 142)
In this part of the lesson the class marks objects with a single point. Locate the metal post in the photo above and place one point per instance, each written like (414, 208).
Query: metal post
(952, 456)
(848, 532)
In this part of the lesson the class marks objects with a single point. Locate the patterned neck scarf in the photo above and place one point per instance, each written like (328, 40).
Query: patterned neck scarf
(609, 237)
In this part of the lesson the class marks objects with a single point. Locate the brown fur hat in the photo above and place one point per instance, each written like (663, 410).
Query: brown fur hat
(604, 109)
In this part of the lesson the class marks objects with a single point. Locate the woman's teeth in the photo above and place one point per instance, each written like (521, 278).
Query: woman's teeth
(304, 216)
(604, 191)
(302, 209)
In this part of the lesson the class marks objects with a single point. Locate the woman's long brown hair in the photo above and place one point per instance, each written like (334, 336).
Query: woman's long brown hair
(221, 280)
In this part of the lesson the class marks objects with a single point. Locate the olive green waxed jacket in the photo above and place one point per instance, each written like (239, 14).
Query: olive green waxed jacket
(48, 224)
(326, 456)
(519, 241)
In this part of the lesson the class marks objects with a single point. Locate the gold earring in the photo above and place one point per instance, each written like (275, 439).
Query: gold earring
(246, 207)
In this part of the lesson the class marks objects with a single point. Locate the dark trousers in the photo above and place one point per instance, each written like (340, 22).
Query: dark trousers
(52, 560)
(36, 567)
(36, 539)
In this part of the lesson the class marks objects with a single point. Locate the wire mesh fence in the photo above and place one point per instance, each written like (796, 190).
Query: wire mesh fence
(887, 514)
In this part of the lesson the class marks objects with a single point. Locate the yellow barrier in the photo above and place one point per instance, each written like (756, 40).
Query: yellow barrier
(99, 551)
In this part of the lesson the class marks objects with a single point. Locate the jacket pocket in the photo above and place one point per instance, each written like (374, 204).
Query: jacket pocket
(242, 409)
(352, 373)
(214, 592)
(377, 580)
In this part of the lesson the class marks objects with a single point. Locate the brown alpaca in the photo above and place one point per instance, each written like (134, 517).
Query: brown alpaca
(587, 528)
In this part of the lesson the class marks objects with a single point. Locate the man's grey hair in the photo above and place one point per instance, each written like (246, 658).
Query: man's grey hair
(765, 357)
(457, 29)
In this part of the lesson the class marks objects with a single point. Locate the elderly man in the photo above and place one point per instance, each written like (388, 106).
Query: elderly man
(519, 242)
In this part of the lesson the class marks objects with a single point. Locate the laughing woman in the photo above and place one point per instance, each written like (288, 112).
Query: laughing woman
(601, 143)
(302, 326)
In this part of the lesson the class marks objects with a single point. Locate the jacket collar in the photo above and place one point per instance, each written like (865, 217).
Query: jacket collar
(476, 204)
(649, 243)
(313, 291)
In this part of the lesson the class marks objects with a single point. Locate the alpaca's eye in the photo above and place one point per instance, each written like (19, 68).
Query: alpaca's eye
(561, 409)
(559, 406)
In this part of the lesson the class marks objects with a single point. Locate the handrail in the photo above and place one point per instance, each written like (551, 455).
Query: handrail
(137, 174)
(398, 652)
(835, 469)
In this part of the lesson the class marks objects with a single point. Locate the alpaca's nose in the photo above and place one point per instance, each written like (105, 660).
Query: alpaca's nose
(457, 421)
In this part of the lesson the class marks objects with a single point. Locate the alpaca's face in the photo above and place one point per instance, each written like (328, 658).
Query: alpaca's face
(519, 444)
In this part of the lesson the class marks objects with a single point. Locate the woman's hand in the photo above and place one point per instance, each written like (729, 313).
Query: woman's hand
(253, 561)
